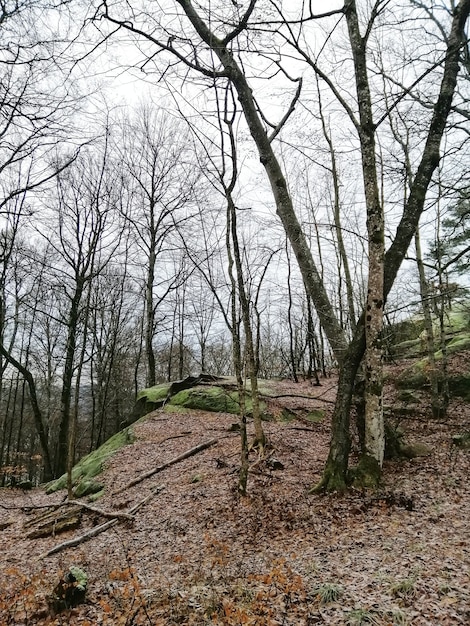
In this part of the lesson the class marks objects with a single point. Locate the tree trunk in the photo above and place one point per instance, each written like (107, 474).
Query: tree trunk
(38, 419)
(149, 309)
(428, 327)
(284, 206)
(237, 363)
(374, 423)
(60, 461)
(337, 221)
(335, 474)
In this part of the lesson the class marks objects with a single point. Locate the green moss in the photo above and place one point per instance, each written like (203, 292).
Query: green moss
(287, 416)
(315, 416)
(406, 330)
(171, 408)
(367, 473)
(414, 450)
(95, 496)
(212, 398)
(155, 394)
(459, 318)
(459, 343)
(87, 487)
(92, 465)
(207, 399)
(462, 440)
(408, 349)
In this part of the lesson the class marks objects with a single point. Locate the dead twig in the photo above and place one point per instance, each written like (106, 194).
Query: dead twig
(101, 528)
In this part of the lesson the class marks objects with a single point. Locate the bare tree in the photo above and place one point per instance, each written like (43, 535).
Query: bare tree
(209, 46)
(83, 240)
(163, 186)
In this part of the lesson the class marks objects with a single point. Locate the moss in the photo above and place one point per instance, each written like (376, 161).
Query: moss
(367, 473)
(462, 342)
(414, 450)
(409, 396)
(92, 464)
(406, 330)
(459, 318)
(408, 349)
(155, 394)
(171, 408)
(86, 488)
(315, 416)
(287, 416)
(96, 496)
(207, 399)
(213, 398)
(462, 440)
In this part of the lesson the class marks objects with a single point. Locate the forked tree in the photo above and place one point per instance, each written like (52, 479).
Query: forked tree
(212, 43)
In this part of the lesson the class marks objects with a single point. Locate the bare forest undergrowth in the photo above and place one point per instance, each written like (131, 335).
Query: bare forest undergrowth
(195, 553)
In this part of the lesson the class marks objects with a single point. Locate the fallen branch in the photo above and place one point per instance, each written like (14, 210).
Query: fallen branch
(155, 470)
(95, 509)
(299, 395)
(101, 528)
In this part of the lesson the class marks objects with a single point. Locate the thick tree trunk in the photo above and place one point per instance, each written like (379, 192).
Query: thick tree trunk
(335, 475)
(374, 424)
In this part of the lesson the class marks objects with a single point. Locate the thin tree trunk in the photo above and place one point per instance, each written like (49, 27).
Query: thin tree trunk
(337, 221)
(60, 462)
(237, 363)
(38, 420)
(428, 325)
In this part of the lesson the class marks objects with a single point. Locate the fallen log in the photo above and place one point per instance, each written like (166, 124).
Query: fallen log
(155, 470)
(101, 528)
(55, 523)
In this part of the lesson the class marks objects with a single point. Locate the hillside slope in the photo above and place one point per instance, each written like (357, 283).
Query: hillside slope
(195, 553)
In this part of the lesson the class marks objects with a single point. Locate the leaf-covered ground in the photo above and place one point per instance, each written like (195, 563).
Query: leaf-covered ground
(196, 553)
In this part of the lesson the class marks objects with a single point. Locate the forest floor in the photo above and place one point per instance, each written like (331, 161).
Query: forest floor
(197, 553)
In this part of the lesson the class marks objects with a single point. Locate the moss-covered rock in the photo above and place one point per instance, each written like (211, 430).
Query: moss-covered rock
(91, 465)
(408, 396)
(207, 398)
(70, 591)
(459, 385)
(393, 441)
(218, 399)
(462, 440)
(414, 450)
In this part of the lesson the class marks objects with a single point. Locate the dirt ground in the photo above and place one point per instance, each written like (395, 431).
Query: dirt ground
(197, 553)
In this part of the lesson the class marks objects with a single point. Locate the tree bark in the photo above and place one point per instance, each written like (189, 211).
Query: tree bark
(335, 474)
(374, 424)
